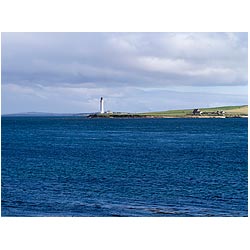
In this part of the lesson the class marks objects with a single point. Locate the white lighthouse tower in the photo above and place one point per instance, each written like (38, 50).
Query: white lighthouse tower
(101, 106)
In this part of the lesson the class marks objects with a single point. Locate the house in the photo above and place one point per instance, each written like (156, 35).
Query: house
(220, 112)
(108, 112)
(197, 112)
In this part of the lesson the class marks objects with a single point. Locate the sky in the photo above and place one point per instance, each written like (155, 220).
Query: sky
(133, 72)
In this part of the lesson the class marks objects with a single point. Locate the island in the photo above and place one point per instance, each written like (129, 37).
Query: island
(215, 112)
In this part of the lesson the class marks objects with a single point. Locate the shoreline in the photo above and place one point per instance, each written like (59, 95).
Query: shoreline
(133, 116)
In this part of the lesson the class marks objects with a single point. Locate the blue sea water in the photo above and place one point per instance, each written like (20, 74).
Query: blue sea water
(74, 166)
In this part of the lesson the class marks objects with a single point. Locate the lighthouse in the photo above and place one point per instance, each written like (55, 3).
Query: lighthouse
(101, 106)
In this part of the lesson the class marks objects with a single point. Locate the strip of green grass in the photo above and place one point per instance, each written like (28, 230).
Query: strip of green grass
(242, 110)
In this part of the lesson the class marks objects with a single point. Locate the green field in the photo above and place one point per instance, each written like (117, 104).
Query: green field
(229, 111)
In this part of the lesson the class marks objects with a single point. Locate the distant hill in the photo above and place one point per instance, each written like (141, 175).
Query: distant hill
(229, 111)
(46, 114)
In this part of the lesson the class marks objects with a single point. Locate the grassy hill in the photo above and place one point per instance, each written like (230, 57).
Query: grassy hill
(229, 111)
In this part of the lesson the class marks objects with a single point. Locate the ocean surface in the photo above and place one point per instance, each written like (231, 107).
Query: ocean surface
(74, 166)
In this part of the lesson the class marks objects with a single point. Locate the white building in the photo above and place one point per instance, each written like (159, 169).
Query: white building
(102, 106)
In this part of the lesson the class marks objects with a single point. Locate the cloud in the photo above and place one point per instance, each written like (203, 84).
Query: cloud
(131, 59)
(68, 72)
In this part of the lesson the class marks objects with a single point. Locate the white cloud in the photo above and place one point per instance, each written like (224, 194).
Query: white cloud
(105, 58)
(75, 69)
(163, 65)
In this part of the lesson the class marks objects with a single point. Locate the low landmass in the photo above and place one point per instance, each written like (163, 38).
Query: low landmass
(45, 114)
(215, 112)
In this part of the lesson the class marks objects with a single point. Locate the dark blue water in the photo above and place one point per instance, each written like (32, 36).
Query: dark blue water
(71, 166)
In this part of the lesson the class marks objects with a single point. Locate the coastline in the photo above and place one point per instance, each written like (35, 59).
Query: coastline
(134, 116)
(206, 113)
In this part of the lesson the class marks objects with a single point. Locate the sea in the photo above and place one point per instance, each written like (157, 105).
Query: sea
(76, 166)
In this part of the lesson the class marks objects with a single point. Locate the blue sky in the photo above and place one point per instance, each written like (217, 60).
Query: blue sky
(134, 72)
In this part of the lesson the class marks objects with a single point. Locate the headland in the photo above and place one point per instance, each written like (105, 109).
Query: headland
(215, 112)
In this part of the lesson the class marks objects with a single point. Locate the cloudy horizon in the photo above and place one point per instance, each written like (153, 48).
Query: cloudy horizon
(134, 72)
